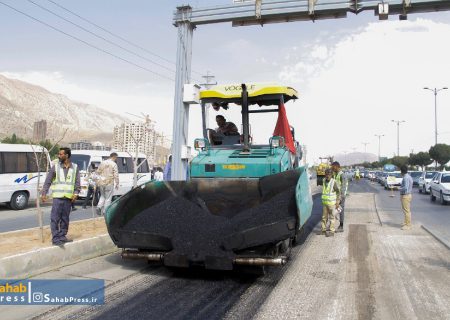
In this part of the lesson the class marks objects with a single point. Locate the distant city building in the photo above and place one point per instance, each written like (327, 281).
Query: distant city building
(40, 131)
(163, 145)
(87, 145)
(97, 145)
(81, 145)
(134, 137)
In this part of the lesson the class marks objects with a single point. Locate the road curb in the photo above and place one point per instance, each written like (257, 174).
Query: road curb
(25, 265)
(376, 209)
(433, 234)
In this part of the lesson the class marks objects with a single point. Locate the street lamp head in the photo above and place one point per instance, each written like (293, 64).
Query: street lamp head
(426, 88)
(445, 88)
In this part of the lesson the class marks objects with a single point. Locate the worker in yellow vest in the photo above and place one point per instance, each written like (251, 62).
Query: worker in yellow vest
(342, 182)
(64, 181)
(357, 176)
(330, 202)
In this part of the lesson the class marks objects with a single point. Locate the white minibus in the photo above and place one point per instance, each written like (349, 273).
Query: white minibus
(19, 173)
(85, 158)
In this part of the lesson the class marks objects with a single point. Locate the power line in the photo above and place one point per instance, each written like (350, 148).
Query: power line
(86, 43)
(100, 37)
(115, 35)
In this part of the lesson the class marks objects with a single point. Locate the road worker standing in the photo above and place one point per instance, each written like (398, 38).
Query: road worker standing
(330, 202)
(64, 181)
(342, 182)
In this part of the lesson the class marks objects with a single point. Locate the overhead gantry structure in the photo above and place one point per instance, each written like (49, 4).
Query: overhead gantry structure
(260, 12)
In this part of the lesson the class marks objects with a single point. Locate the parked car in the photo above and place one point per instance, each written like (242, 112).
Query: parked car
(440, 187)
(415, 175)
(382, 179)
(378, 176)
(393, 180)
(424, 181)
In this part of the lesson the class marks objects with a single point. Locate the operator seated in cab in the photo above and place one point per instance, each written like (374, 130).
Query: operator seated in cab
(226, 133)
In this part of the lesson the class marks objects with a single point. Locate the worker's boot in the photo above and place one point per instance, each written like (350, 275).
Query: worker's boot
(329, 234)
(340, 228)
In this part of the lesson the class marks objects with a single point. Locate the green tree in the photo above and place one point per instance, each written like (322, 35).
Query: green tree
(53, 149)
(376, 164)
(421, 159)
(14, 140)
(440, 153)
(399, 161)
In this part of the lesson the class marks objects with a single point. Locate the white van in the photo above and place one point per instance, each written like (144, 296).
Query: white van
(19, 172)
(84, 159)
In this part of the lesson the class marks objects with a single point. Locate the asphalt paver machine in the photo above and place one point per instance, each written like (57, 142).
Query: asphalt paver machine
(244, 204)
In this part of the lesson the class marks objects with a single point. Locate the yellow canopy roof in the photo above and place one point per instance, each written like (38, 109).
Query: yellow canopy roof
(234, 91)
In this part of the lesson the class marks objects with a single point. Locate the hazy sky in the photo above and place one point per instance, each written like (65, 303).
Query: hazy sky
(354, 75)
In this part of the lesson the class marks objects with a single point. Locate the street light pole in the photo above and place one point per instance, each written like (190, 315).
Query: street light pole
(365, 150)
(379, 145)
(435, 92)
(398, 135)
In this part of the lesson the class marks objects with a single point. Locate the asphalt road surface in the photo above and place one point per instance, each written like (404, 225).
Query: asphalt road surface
(368, 272)
(11, 220)
(432, 215)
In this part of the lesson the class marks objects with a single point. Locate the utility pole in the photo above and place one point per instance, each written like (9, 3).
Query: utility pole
(435, 92)
(345, 157)
(379, 145)
(398, 122)
(208, 80)
(365, 150)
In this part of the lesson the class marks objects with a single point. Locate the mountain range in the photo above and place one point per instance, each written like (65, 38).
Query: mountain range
(22, 104)
(352, 158)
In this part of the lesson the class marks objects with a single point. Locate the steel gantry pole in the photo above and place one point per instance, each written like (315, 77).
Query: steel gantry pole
(435, 92)
(181, 109)
(398, 134)
(379, 145)
(258, 12)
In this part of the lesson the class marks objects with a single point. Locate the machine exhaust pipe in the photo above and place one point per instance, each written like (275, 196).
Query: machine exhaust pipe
(261, 261)
(127, 254)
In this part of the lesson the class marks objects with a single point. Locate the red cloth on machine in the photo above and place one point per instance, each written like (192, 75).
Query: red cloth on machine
(283, 129)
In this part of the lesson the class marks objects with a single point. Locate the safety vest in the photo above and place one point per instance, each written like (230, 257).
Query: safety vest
(338, 178)
(328, 194)
(63, 187)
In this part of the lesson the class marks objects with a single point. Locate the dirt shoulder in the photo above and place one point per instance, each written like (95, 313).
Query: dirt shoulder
(21, 241)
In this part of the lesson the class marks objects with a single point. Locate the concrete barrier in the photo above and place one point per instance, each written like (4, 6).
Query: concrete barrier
(25, 265)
